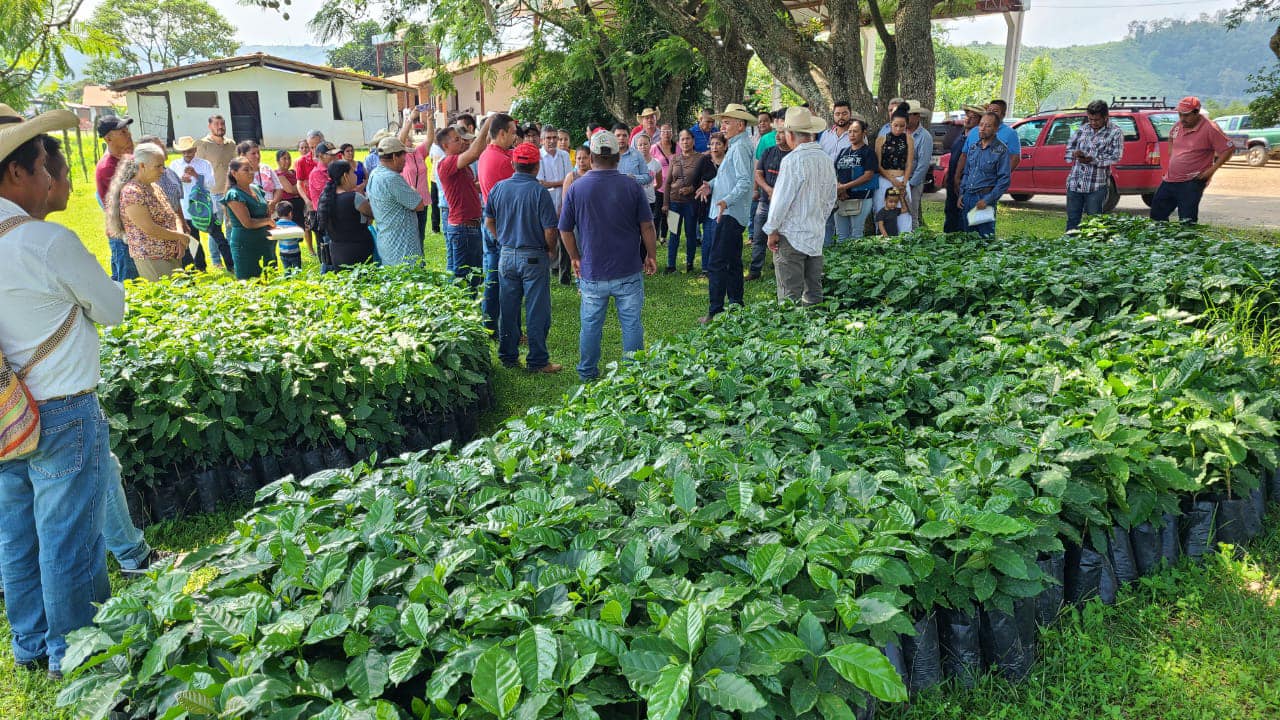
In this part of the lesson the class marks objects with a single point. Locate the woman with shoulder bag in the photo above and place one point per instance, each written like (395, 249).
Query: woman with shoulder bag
(856, 170)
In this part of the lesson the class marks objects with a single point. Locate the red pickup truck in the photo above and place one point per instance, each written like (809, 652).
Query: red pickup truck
(1043, 168)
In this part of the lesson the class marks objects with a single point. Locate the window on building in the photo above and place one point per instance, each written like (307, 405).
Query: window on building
(202, 99)
(304, 98)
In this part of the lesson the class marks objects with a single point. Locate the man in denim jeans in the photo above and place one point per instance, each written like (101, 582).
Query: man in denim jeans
(462, 231)
(52, 501)
(114, 131)
(603, 222)
(522, 216)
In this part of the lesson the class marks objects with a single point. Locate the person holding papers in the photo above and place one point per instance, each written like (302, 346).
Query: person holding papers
(986, 177)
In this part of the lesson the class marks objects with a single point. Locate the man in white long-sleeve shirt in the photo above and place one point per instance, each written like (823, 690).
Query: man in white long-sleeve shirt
(802, 200)
(51, 501)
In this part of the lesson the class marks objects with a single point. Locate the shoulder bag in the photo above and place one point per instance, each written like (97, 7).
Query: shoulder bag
(19, 414)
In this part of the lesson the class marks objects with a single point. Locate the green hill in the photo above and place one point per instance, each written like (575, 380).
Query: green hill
(1165, 57)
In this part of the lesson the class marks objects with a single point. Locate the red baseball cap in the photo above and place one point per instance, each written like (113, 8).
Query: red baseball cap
(526, 154)
(1189, 104)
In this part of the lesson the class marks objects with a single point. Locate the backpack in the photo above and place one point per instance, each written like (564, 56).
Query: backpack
(19, 414)
(200, 206)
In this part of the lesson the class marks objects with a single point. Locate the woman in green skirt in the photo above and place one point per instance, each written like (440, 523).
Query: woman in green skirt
(251, 245)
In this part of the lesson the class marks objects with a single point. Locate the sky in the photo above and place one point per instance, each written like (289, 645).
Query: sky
(1051, 23)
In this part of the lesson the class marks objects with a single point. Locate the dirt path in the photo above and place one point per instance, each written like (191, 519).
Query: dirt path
(1239, 196)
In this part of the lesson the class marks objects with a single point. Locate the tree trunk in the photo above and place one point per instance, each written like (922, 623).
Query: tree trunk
(914, 39)
(724, 51)
(670, 101)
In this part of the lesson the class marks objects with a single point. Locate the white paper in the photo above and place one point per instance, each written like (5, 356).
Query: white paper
(673, 220)
(193, 246)
(985, 215)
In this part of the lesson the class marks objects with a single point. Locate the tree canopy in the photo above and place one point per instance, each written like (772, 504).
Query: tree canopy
(38, 34)
(157, 34)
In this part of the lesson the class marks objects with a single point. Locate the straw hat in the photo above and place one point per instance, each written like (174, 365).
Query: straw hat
(649, 111)
(915, 108)
(184, 143)
(377, 137)
(738, 112)
(14, 131)
(799, 119)
(975, 109)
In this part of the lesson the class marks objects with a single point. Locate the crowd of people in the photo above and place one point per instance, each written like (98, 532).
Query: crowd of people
(518, 205)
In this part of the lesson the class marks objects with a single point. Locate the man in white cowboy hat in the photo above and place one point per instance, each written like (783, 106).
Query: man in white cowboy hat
(648, 119)
(188, 167)
(51, 501)
(803, 199)
(920, 168)
(729, 195)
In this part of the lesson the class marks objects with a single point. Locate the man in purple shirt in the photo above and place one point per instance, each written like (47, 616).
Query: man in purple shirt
(608, 232)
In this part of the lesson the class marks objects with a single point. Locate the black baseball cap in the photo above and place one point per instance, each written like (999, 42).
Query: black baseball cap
(111, 123)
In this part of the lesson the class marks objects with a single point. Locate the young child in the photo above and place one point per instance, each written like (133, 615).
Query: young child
(287, 234)
(895, 217)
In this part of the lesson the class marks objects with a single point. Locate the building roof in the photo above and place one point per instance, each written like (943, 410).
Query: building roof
(100, 96)
(421, 77)
(239, 62)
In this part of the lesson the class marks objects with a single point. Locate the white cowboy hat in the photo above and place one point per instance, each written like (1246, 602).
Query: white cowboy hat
(14, 130)
(650, 111)
(915, 108)
(184, 143)
(736, 111)
(800, 120)
(377, 137)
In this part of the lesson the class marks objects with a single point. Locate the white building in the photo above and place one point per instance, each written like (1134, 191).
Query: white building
(269, 99)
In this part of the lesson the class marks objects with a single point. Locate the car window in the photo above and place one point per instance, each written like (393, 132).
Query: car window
(1128, 125)
(1061, 129)
(1029, 132)
(1225, 123)
(1162, 122)
(1245, 123)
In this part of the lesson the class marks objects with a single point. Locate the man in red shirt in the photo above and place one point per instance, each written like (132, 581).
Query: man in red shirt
(307, 163)
(114, 131)
(462, 232)
(494, 167)
(1197, 148)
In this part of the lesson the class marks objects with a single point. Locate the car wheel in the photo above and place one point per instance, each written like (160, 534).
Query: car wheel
(1113, 197)
(1257, 156)
(1021, 197)
(1147, 198)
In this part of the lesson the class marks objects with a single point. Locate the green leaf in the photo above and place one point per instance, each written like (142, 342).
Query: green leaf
(196, 703)
(160, 650)
(833, 707)
(984, 585)
(536, 653)
(1008, 562)
(601, 638)
(641, 668)
(363, 576)
(416, 622)
(810, 632)
(495, 683)
(685, 628)
(367, 675)
(935, 529)
(669, 694)
(325, 627)
(996, 524)
(730, 692)
(686, 493)
(1106, 422)
(804, 695)
(402, 665)
(869, 670)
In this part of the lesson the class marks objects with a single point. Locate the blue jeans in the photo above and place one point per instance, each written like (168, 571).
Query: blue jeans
(291, 261)
(688, 213)
(759, 240)
(1184, 196)
(1082, 203)
(463, 244)
(850, 226)
(829, 237)
(219, 248)
(524, 276)
(708, 241)
(628, 296)
(51, 523)
(122, 267)
(491, 304)
(123, 540)
(725, 275)
(986, 229)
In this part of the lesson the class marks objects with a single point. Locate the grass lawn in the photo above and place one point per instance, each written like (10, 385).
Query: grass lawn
(1188, 643)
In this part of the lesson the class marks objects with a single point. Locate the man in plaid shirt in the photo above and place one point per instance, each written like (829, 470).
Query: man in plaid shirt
(1094, 147)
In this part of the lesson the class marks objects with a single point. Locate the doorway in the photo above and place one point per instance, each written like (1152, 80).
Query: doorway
(246, 116)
